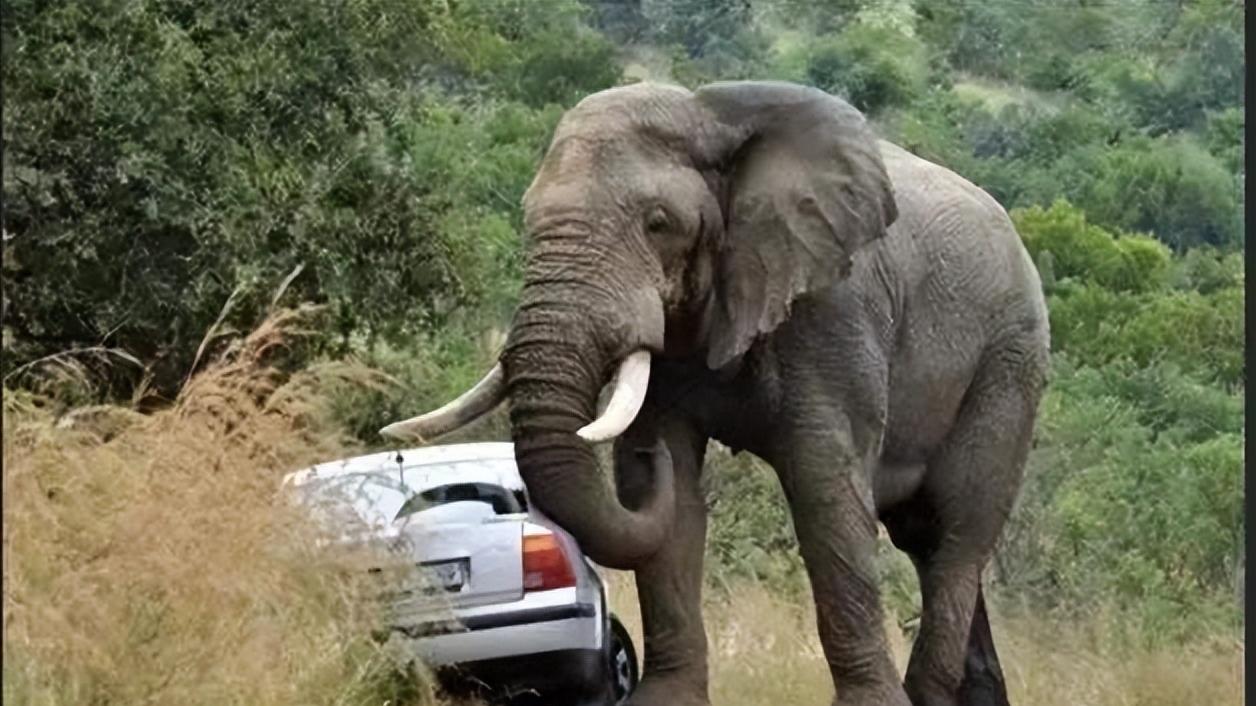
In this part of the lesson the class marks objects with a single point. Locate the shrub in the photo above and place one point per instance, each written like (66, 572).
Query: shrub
(751, 534)
(423, 373)
(1170, 187)
(161, 161)
(1181, 407)
(1207, 270)
(1223, 136)
(1087, 253)
(165, 165)
(872, 67)
(1203, 334)
(697, 25)
(532, 52)
(1205, 75)
(710, 41)
(975, 37)
(1120, 510)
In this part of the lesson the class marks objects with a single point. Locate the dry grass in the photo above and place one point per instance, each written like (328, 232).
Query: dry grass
(147, 560)
(764, 651)
(1060, 664)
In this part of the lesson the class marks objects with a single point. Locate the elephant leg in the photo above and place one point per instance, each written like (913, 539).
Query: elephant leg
(946, 644)
(669, 585)
(835, 521)
(950, 529)
(983, 683)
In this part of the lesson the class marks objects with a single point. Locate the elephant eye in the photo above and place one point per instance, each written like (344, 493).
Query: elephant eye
(657, 221)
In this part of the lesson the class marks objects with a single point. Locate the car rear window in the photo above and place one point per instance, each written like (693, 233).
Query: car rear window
(503, 501)
(374, 497)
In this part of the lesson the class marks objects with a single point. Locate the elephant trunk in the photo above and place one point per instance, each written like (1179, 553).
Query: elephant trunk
(562, 347)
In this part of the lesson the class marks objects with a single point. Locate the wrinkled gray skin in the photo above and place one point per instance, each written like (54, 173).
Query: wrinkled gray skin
(865, 321)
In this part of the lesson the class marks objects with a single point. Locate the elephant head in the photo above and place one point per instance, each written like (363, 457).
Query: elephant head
(672, 223)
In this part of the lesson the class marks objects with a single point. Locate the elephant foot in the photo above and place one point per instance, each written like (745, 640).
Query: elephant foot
(670, 690)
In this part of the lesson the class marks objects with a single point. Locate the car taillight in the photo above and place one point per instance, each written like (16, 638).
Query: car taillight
(545, 566)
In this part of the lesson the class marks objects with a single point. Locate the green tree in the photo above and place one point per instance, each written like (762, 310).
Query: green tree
(697, 25)
(533, 52)
(167, 162)
(872, 67)
(1169, 186)
(162, 156)
(1224, 137)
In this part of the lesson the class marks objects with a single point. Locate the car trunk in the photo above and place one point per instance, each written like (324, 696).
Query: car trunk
(451, 534)
(461, 562)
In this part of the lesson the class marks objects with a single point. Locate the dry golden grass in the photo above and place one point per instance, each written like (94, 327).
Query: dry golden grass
(1052, 664)
(147, 559)
(764, 651)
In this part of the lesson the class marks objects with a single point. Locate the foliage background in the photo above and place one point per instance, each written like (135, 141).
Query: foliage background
(169, 166)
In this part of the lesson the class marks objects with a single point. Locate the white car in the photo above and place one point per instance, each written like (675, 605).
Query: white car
(529, 610)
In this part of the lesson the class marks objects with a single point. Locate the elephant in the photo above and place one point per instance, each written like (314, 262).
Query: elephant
(747, 262)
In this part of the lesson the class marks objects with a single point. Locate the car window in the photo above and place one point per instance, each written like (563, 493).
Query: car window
(503, 501)
(371, 496)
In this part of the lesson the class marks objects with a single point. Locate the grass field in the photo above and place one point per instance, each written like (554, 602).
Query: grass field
(764, 651)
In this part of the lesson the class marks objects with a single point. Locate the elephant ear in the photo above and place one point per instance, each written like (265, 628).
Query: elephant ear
(806, 188)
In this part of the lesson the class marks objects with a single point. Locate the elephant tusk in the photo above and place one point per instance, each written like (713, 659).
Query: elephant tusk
(471, 405)
(631, 381)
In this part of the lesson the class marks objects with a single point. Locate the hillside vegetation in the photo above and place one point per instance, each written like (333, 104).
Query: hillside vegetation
(174, 173)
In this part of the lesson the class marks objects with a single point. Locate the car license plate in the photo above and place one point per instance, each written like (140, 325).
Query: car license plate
(449, 575)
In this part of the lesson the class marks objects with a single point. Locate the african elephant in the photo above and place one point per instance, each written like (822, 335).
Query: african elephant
(752, 265)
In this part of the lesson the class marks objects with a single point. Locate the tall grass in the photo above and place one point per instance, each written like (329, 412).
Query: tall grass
(764, 651)
(148, 560)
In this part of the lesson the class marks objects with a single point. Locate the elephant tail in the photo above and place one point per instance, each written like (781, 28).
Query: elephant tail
(983, 683)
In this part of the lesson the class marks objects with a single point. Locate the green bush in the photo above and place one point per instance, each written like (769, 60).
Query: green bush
(532, 52)
(815, 17)
(159, 157)
(421, 375)
(1180, 407)
(1207, 270)
(166, 164)
(622, 22)
(1088, 253)
(709, 41)
(1155, 523)
(974, 37)
(872, 67)
(1223, 136)
(935, 128)
(1205, 75)
(1203, 334)
(1087, 320)
(697, 25)
(751, 533)
(1171, 187)
(1116, 123)
(1119, 511)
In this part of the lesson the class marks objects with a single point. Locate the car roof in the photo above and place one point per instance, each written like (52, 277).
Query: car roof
(476, 462)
